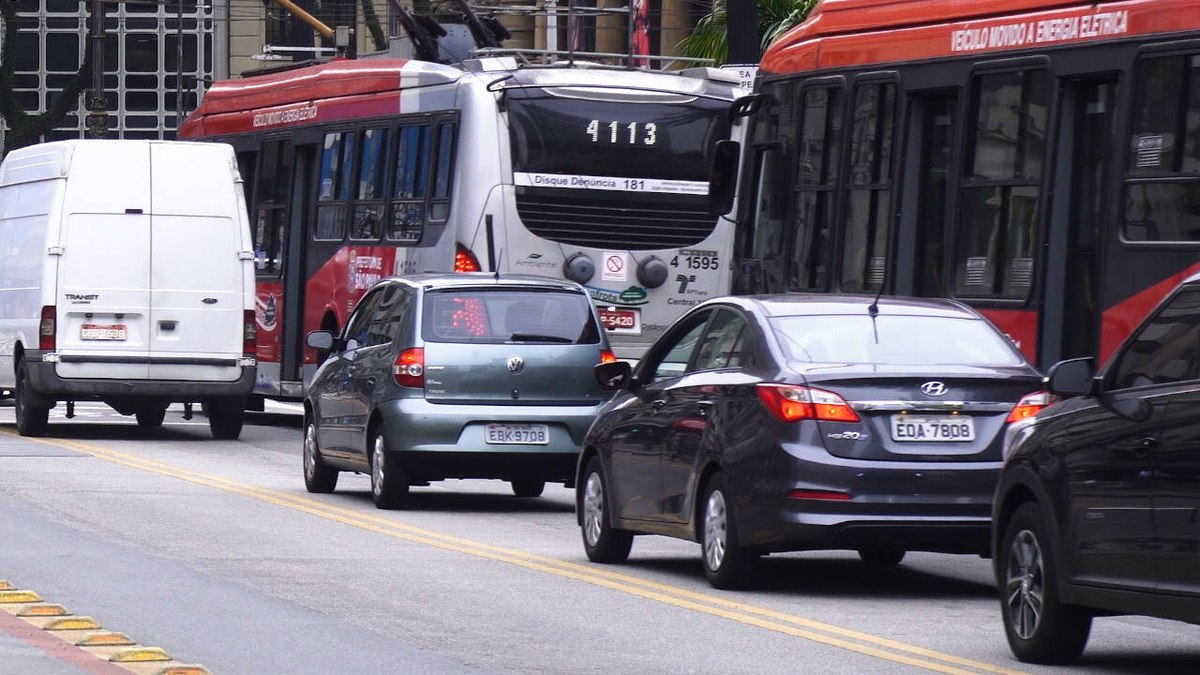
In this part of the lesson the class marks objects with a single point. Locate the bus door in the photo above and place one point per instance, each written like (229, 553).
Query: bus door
(1077, 221)
(295, 264)
(925, 222)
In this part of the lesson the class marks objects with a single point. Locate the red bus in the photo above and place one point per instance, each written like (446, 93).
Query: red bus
(1036, 159)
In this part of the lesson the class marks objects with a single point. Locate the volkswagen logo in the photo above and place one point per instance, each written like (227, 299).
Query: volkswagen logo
(516, 364)
(931, 388)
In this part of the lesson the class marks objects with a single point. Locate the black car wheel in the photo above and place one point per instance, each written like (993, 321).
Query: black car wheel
(389, 485)
(528, 488)
(319, 478)
(31, 419)
(881, 556)
(601, 542)
(1039, 627)
(725, 564)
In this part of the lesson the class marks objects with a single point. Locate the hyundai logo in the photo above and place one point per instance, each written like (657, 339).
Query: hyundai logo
(931, 388)
(515, 365)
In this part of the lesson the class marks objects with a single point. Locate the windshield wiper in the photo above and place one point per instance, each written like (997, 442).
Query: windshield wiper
(534, 337)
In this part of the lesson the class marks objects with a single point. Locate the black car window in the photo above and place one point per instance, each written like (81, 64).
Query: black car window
(722, 341)
(672, 356)
(1165, 349)
(894, 339)
(360, 320)
(385, 321)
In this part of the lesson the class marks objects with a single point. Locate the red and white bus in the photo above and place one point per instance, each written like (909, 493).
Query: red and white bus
(1037, 159)
(360, 169)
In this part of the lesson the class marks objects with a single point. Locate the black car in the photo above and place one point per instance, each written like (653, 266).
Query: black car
(1096, 512)
(791, 422)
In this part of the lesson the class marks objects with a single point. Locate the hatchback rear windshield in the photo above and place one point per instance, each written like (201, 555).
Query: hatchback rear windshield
(894, 340)
(507, 315)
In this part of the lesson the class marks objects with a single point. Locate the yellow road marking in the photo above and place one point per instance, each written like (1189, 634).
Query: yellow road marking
(760, 617)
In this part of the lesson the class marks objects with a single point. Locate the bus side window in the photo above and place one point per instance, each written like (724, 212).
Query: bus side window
(816, 177)
(333, 191)
(271, 211)
(367, 224)
(869, 198)
(439, 206)
(998, 228)
(409, 193)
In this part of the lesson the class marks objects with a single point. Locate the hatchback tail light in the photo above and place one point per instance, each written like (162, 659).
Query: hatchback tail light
(465, 260)
(791, 403)
(1029, 405)
(249, 333)
(47, 329)
(607, 356)
(409, 369)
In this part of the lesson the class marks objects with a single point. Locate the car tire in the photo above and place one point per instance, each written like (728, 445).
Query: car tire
(528, 488)
(225, 418)
(319, 477)
(726, 564)
(881, 556)
(1029, 578)
(389, 484)
(601, 542)
(150, 418)
(32, 419)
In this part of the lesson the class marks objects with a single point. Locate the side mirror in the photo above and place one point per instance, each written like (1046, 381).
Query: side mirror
(613, 375)
(722, 180)
(321, 340)
(1073, 377)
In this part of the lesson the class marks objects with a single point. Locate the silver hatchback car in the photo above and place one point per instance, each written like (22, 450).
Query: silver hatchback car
(456, 376)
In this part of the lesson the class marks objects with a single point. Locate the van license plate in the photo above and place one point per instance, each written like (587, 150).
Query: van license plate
(102, 331)
(932, 428)
(518, 434)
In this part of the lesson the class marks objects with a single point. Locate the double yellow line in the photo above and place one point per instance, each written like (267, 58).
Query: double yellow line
(759, 617)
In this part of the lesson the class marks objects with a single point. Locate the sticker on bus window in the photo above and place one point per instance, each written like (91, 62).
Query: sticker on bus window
(1149, 151)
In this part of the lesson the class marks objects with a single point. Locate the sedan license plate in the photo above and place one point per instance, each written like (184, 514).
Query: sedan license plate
(518, 434)
(926, 428)
(102, 331)
(620, 320)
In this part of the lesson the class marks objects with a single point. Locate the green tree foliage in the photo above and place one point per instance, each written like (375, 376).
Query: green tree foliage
(26, 128)
(710, 39)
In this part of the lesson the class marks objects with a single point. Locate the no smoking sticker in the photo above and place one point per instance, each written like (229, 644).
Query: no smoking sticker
(613, 267)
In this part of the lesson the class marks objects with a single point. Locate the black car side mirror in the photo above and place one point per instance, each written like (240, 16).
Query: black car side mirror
(321, 340)
(614, 375)
(1073, 377)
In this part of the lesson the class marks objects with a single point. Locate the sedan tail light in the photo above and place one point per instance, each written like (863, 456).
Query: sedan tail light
(409, 369)
(791, 403)
(47, 329)
(1029, 405)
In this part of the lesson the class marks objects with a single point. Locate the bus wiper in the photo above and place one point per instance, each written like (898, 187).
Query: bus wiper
(535, 337)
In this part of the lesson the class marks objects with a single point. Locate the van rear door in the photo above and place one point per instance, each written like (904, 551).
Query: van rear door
(197, 276)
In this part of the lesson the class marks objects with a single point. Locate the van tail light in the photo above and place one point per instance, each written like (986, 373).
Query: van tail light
(47, 329)
(1029, 405)
(607, 356)
(791, 403)
(464, 260)
(249, 333)
(409, 369)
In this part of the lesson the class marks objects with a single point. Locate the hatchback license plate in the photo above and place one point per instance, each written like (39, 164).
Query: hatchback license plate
(102, 331)
(949, 428)
(518, 434)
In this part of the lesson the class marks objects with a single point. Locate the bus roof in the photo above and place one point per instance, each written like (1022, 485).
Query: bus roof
(874, 32)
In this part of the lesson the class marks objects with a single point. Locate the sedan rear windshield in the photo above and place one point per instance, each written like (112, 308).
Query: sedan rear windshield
(894, 340)
(507, 315)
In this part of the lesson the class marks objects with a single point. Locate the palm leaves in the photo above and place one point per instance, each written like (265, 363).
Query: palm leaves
(710, 39)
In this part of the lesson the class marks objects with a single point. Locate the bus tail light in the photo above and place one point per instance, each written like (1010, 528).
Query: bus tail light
(409, 369)
(791, 403)
(249, 333)
(464, 260)
(1029, 405)
(47, 329)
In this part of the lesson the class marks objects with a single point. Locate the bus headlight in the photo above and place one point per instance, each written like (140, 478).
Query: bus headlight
(652, 272)
(579, 268)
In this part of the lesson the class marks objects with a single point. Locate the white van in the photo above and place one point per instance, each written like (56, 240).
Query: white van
(126, 276)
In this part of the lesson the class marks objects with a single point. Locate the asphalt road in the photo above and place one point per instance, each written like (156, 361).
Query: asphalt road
(214, 552)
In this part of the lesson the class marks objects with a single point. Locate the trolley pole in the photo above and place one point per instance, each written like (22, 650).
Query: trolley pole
(97, 117)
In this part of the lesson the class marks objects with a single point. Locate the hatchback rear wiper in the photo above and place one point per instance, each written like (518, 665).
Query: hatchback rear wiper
(535, 337)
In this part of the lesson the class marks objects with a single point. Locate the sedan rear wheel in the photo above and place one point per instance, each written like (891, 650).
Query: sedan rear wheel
(1039, 627)
(319, 478)
(725, 563)
(601, 542)
(389, 485)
